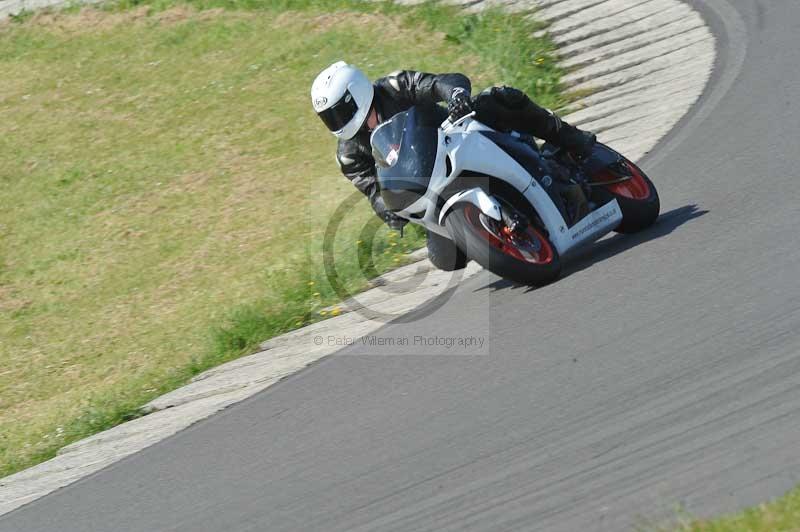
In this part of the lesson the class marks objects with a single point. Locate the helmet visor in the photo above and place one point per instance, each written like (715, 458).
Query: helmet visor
(339, 114)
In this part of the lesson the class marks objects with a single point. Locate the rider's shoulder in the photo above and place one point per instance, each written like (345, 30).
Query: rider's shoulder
(346, 146)
(351, 150)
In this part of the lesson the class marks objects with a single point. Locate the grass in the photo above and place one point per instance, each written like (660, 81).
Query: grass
(165, 184)
(781, 515)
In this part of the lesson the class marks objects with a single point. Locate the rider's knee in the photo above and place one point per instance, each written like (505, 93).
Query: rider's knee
(510, 97)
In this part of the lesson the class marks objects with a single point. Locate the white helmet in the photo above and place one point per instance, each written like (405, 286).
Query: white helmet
(342, 96)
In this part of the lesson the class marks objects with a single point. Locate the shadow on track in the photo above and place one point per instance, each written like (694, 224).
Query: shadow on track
(604, 249)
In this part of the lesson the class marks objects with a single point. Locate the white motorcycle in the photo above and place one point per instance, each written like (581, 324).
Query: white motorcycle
(499, 199)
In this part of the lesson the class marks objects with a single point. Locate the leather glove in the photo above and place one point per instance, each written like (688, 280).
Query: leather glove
(395, 223)
(459, 104)
(379, 207)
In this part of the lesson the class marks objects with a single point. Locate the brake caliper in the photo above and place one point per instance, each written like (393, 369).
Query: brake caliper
(514, 228)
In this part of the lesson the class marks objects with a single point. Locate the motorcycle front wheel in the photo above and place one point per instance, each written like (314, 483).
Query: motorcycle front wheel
(525, 255)
(445, 254)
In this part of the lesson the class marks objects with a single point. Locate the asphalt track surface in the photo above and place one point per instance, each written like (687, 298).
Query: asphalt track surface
(663, 371)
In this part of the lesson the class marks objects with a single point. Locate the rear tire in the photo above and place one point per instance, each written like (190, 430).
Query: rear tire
(444, 254)
(637, 198)
(482, 246)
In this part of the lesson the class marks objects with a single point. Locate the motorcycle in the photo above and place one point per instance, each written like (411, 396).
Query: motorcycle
(499, 198)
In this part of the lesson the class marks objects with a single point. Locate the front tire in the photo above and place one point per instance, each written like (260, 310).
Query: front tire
(444, 253)
(527, 258)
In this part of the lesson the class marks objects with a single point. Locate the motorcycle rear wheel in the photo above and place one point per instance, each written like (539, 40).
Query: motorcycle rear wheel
(637, 197)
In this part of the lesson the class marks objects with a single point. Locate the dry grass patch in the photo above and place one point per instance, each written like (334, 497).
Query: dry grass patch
(93, 19)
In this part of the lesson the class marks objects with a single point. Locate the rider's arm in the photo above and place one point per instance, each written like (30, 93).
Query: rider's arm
(420, 87)
(358, 165)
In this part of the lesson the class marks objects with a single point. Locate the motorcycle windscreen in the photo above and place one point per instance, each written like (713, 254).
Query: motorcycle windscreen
(405, 150)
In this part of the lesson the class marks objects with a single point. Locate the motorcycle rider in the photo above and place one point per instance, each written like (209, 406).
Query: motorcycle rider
(351, 106)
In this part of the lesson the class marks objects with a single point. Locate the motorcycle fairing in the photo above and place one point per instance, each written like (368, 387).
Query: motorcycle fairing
(467, 148)
(478, 197)
(477, 153)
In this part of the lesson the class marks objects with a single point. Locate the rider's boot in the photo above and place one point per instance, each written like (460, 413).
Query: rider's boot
(576, 141)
